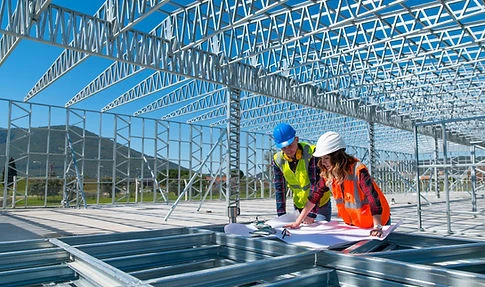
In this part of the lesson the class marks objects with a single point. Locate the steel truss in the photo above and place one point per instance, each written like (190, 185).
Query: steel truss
(388, 63)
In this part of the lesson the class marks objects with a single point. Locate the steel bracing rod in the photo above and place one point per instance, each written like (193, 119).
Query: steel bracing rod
(8, 42)
(121, 15)
(197, 173)
(209, 186)
(154, 177)
(132, 47)
(191, 90)
(156, 82)
(248, 104)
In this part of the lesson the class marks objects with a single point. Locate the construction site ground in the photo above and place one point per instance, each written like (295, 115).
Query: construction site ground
(35, 223)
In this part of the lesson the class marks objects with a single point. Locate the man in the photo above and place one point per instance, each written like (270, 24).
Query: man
(296, 168)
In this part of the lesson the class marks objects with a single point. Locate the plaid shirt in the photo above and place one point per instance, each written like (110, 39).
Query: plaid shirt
(371, 194)
(280, 185)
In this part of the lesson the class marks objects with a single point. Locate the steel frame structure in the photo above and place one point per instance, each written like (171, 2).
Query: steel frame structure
(393, 63)
(380, 72)
(146, 150)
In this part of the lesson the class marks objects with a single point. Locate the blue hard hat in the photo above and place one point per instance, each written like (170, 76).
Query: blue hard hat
(283, 135)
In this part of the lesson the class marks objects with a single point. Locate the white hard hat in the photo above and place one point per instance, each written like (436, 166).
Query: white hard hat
(328, 143)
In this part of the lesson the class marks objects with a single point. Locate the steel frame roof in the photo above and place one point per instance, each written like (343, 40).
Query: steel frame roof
(319, 65)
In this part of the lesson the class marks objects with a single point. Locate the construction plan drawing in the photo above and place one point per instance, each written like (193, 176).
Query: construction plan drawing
(318, 235)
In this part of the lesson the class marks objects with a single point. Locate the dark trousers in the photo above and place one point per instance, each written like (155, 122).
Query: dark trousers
(325, 211)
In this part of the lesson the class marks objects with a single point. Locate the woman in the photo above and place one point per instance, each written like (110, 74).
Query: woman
(359, 200)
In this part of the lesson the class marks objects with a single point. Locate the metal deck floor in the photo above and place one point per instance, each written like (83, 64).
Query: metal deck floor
(132, 245)
(22, 224)
(206, 257)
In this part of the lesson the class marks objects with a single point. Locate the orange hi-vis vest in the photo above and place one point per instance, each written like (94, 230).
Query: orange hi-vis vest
(352, 204)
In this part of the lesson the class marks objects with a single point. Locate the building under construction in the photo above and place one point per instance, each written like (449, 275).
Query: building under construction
(123, 103)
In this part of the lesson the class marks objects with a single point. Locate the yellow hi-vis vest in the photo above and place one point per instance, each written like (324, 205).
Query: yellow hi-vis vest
(299, 181)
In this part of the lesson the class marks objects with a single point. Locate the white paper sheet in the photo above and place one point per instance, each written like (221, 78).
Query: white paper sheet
(319, 235)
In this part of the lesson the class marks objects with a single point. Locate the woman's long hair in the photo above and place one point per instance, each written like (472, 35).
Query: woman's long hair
(341, 162)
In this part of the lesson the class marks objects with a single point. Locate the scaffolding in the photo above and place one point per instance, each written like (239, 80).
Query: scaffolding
(73, 186)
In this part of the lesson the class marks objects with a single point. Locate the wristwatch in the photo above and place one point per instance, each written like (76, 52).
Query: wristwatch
(378, 226)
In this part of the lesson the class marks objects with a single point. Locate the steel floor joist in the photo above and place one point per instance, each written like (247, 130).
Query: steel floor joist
(203, 257)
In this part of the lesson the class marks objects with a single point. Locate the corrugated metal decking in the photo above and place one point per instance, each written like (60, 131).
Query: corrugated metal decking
(208, 257)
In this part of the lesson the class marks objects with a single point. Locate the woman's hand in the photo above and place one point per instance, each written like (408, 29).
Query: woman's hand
(293, 225)
(308, 220)
(376, 232)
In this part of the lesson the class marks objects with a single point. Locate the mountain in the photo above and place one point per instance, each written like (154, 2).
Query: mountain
(94, 147)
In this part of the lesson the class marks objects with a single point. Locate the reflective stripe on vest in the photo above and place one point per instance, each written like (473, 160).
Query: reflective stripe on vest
(298, 181)
(354, 178)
